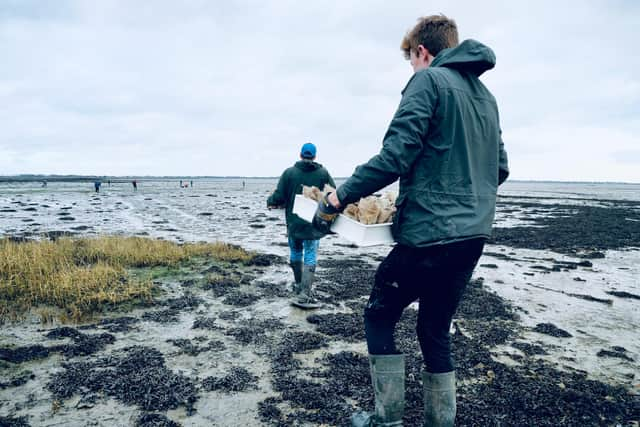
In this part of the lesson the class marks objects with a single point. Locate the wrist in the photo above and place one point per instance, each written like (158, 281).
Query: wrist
(335, 202)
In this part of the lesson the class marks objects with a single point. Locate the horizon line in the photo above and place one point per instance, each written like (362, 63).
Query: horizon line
(38, 177)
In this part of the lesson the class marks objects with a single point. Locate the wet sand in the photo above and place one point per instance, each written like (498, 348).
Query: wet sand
(546, 333)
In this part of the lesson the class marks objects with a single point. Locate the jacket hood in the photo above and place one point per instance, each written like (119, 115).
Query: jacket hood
(307, 165)
(470, 56)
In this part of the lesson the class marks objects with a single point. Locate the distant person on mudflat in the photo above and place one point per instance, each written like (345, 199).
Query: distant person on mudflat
(135, 185)
(303, 239)
(96, 185)
(444, 143)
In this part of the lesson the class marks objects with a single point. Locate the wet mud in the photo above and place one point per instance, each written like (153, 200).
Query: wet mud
(311, 368)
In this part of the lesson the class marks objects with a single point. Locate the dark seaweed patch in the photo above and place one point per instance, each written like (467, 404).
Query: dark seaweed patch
(83, 344)
(188, 347)
(13, 422)
(348, 326)
(562, 229)
(344, 280)
(272, 290)
(17, 380)
(478, 303)
(205, 323)
(623, 294)
(163, 316)
(24, 354)
(119, 324)
(551, 329)
(229, 315)
(220, 286)
(240, 299)
(155, 420)
(238, 379)
(187, 301)
(528, 348)
(616, 353)
(135, 376)
(265, 260)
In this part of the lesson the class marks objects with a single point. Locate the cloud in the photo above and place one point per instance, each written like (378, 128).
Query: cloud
(234, 88)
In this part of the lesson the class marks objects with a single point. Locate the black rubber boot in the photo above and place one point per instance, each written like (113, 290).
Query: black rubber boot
(305, 297)
(297, 276)
(387, 377)
(439, 399)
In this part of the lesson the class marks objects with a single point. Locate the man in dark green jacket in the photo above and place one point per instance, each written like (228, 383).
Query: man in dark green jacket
(444, 144)
(303, 238)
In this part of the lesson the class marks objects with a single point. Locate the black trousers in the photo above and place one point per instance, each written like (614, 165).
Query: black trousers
(436, 276)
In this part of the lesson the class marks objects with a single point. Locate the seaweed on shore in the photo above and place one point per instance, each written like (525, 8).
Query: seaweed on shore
(135, 376)
(238, 379)
(82, 345)
(551, 329)
(187, 346)
(17, 380)
(13, 422)
(490, 393)
(155, 420)
(562, 230)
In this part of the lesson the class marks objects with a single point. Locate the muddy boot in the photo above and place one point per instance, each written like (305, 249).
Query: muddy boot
(387, 377)
(305, 297)
(296, 266)
(439, 399)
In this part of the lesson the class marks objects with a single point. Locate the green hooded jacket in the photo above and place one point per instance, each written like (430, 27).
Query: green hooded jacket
(444, 144)
(304, 172)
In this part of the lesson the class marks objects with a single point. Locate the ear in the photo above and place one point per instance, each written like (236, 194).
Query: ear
(423, 52)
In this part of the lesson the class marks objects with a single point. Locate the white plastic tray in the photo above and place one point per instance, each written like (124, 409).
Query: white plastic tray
(357, 233)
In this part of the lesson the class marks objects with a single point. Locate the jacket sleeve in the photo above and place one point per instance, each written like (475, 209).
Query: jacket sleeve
(279, 196)
(330, 180)
(402, 142)
(503, 163)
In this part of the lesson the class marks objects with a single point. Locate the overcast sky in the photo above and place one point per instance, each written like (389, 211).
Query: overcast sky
(235, 87)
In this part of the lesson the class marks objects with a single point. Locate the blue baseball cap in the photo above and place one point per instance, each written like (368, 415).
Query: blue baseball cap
(308, 151)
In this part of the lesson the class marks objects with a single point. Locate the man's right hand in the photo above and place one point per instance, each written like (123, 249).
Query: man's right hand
(325, 215)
